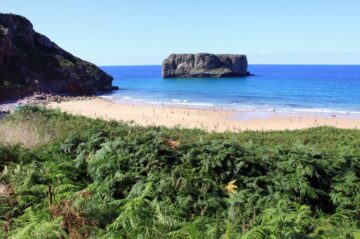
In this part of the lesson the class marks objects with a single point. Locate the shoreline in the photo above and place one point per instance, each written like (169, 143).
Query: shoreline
(313, 112)
(215, 118)
(209, 119)
(254, 112)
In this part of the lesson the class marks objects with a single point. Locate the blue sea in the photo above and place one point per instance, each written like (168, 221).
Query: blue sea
(289, 88)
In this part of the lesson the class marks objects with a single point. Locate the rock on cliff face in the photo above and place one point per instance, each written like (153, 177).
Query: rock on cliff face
(204, 65)
(31, 62)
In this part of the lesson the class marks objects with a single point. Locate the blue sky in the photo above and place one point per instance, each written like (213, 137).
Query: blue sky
(119, 32)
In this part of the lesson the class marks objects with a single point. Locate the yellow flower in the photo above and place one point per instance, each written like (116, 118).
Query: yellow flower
(231, 187)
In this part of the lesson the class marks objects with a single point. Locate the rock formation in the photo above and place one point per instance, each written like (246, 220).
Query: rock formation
(204, 65)
(30, 62)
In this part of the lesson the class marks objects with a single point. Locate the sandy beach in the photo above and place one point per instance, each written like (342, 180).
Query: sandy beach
(210, 119)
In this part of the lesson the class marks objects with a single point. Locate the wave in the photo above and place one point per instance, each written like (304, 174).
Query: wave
(106, 96)
(178, 101)
(195, 104)
(326, 111)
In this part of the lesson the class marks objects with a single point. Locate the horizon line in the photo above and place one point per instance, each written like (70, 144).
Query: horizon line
(274, 64)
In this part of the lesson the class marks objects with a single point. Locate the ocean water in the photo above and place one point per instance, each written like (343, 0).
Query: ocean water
(290, 88)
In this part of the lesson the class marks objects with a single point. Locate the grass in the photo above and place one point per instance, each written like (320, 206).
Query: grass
(22, 133)
(99, 179)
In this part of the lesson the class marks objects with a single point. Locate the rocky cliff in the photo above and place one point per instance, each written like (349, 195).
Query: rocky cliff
(204, 65)
(29, 62)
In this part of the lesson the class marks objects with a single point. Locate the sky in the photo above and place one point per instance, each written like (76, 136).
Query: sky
(144, 32)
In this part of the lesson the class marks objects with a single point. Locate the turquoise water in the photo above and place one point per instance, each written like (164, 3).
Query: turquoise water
(312, 88)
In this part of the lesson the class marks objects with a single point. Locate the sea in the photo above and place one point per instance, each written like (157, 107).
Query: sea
(331, 89)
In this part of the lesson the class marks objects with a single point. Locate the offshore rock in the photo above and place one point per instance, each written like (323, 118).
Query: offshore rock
(204, 65)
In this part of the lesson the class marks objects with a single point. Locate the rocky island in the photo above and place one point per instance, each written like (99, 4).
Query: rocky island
(30, 62)
(204, 65)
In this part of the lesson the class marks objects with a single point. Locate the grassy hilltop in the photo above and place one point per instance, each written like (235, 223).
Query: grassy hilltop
(71, 177)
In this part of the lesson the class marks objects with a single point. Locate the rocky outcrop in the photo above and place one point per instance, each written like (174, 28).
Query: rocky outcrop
(204, 65)
(30, 62)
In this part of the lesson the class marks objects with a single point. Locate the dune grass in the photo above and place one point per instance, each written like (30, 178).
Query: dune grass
(99, 179)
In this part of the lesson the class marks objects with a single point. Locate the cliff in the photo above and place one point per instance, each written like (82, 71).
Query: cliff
(30, 62)
(204, 65)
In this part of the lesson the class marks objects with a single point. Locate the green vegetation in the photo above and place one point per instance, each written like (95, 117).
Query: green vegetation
(98, 179)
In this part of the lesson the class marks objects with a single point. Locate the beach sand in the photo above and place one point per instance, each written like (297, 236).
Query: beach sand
(210, 119)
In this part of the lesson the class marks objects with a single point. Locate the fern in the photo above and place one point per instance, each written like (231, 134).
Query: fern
(100, 179)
